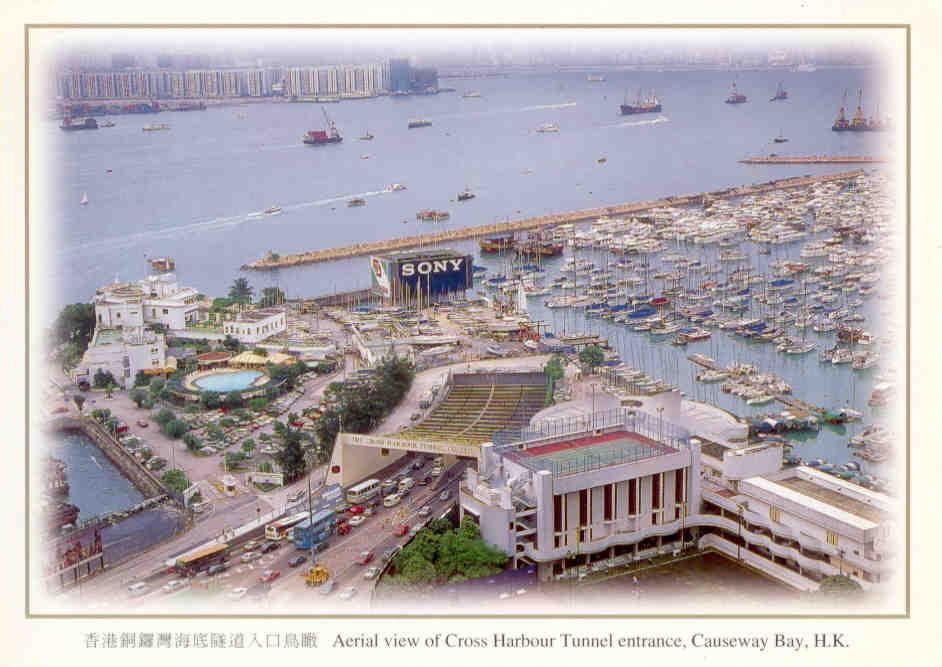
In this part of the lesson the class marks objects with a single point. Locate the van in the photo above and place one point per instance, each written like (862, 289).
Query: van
(406, 483)
(137, 589)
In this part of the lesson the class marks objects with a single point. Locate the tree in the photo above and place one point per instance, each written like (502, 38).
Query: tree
(417, 569)
(138, 396)
(214, 433)
(291, 456)
(175, 480)
(209, 399)
(157, 386)
(79, 401)
(258, 403)
(102, 378)
(554, 368)
(75, 324)
(174, 429)
(192, 441)
(839, 584)
(592, 356)
(109, 389)
(271, 296)
(148, 404)
(233, 400)
(248, 445)
(141, 379)
(231, 343)
(164, 416)
(234, 459)
(240, 291)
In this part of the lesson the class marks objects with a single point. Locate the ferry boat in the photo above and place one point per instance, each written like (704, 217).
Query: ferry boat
(154, 127)
(320, 137)
(272, 209)
(548, 128)
(419, 123)
(649, 104)
(71, 125)
(431, 215)
(735, 97)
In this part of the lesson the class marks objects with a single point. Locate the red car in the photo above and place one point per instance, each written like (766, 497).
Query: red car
(365, 557)
(343, 528)
(356, 509)
(269, 575)
(401, 530)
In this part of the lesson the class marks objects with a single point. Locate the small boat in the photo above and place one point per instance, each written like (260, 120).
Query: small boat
(419, 123)
(366, 136)
(106, 123)
(84, 199)
(760, 400)
(548, 127)
(780, 93)
(154, 127)
(395, 187)
(465, 196)
(780, 139)
(356, 201)
(272, 209)
(602, 160)
(364, 157)
(471, 94)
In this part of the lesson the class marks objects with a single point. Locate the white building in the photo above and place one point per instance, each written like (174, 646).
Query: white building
(157, 299)
(255, 326)
(122, 352)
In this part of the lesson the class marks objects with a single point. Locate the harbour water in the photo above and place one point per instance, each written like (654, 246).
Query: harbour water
(198, 191)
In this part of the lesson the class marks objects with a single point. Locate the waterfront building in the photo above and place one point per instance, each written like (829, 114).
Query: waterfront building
(256, 325)
(122, 351)
(400, 75)
(157, 299)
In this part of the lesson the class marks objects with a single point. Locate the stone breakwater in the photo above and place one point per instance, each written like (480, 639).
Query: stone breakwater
(813, 159)
(273, 261)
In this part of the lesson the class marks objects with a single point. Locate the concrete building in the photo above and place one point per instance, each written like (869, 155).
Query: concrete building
(256, 325)
(157, 299)
(123, 352)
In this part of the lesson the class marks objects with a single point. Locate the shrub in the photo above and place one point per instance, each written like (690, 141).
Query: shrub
(164, 416)
(102, 379)
(138, 396)
(174, 429)
(176, 480)
(192, 441)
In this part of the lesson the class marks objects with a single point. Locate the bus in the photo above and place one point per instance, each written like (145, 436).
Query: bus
(360, 493)
(199, 559)
(310, 532)
(280, 529)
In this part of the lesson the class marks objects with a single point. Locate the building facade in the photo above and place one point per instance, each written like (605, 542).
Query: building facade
(256, 325)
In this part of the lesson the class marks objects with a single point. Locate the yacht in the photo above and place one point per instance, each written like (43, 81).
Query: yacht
(548, 127)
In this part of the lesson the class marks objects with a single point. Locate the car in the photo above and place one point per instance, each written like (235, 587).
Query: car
(269, 546)
(295, 497)
(416, 528)
(173, 586)
(392, 501)
(371, 573)
(405, 492)
(137, 589)
(436, 471)
(425, 510)
(402, 529)
(424, 481)
(327, 587)
(406, 483)
(248, 557)
(237, 593)
(364, 557)
(389, 486)
(142, 423)
(416, 416)
(216, 569)
(356, 509)
(296, 561)
(268, 576)
(389, 554)
(417, 464)
(348, 593)
(251, 544)
(444, 495)
(357, 520)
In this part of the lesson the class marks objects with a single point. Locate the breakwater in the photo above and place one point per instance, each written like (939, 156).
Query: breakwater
(274, 261)
(813, 159)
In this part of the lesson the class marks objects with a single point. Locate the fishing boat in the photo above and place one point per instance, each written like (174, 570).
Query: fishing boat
(864, 360)
(761, 399)
(84, 200)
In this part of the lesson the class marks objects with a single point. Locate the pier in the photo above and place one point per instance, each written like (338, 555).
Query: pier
(813, 159)
(275, 261)
(798, 404)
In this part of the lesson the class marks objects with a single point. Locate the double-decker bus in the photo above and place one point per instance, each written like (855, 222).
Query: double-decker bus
(280, 529)
(360, 493)
(199, 559)
(311, 532)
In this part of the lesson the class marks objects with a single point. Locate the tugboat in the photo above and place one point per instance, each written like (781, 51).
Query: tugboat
(735, 97)
(320, 137)
(465, 196)
(780, 93)
(649, 104)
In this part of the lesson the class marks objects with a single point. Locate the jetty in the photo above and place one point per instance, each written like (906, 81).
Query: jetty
(813, 159)
(277, 261)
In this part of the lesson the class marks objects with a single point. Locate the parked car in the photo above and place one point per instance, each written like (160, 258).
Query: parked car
(444, 495)
(357, 520)
(364, 557)
(173, 586)
(268, 576)
(269, 546)
(237, 593)
(327, 587)
(296, 561)
(425, 510)
(348, 593)
(371, 573)
(401, 530)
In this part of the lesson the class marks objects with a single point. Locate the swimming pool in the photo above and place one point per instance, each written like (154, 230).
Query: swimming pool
(223, 382)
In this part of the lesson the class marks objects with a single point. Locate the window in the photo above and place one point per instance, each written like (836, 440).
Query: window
(656, 491)
(557, 519)
(583, 507)
(607, 504)
(632, 497)
(165, 311)
(832, 538)
(775, 514)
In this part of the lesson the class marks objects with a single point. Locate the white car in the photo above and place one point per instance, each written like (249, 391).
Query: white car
(371, 573)
(173, 586)
(392, 500)
(237, 593)
(356, 520)
(348, 593)
(444, 495)
(425, 510)
(249, 557)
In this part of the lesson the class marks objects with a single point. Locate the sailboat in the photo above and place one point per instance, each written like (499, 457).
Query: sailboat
(781, 138)
(84, 199)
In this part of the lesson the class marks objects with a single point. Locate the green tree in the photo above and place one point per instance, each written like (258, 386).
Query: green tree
(265, 466)
(231, 343)
(165, 415)
(141, 379)
(175, 480)
(102, 378)
(209, 399)
(138, 396)
(174, 429)
(248, 445)
(79, 401)
(240, 291)
(192, 441)
(109, 389)
(554, 368)
(417, 569)
(234, 459)
(291, 455)
(592, 356)
(75, 324)
(157, 387)
(233, 400)
(148, 404)
(214, 433)
(258, 403)
(839, 584)
(271, 296)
